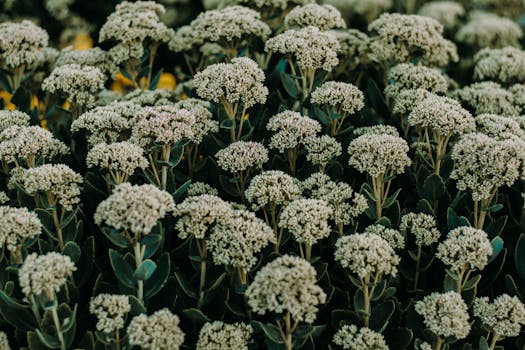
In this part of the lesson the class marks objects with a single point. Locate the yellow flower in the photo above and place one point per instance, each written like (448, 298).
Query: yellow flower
(6, 97)
(167, 81)
(82, 41)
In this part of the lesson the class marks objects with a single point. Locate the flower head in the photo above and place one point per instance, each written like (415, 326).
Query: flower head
(489, 30)
(134, 208)
(447, 13)
(307, 220)
(506, 65)
(321, 150)
(499, 127)
(392, 236)
(407, 76)
(17, 225)
(242, 156)
(349, 337)
(341, 97)
(465, 246)
(159, 331)
(504, 316)
(291, 129)
(4, 342)
(198, 188)
(422, 226)
(22, 44)
(272, 187)
(94, 57)
(13, 118)
(110, 310)
(218, 335)
(324, 17)
(124, 157)
(487, 98)
(204, 123)
(45, 273)
(445, 314)
(287, 284)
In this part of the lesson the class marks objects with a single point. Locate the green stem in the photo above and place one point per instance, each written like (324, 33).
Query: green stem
(366, 298)
(138, 261)
(418, 263)
(493, 341)
(58, 328)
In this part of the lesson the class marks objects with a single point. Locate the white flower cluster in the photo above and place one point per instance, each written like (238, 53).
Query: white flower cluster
(204, 123)
(16, 226)
(134, 208)
(291, 129)
(442, 115)
(465, 246)
(445, 314)
(22, 44)
(29, 143)
(483, 163)
(504, 316)
(159, 331)
(407, 100)
(120, 157)
(13, 118)
(324, 17)
(218, 335)
(399, 36)
(376, 129)
(241, 156)
(45, 273)
(272, 187)
(354, 44)
(448, 13)
(345, 203)
(311, 48)
(3, 197)
(158, 97)
(422, 226)
(94, 57)
(379, 154)
(281, 4)
(341, 97)
(199, 214)
(58, 179)
(506, 65)
(307, 220)
(110, 310)
(488, 98)
(4, 342)
(79, 84)
(238, 82)
(349, 337)
(59, 8)
(237, 238)
(498, 126)
(489, 30)
(407, 76)
(133, 22)
(322, 150)
(198, 188)
(164, 125)
(108, 123)
(370, 9)
(392, 236)
(366, 254)
(287, 284)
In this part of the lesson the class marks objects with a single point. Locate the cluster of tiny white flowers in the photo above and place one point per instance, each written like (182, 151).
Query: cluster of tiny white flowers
(291, 129)
(45, 273)
(506, 65)
(204, 123)
(368, 8)
(240, 81)
(489, 30)
(407, 100)
(24, 142)
(272, 186)
(407, 76)
(199, 214)
(159, 97)
(281, 4)
(376, 129)
(498, 126)
(465, 246)
(392, 236)
(218, 335)
(504, 316)
(445, 314)
(17, 225)
(448, 13)
(422, 226)
(442, 115)
(399, 36)
(13, 118)
(342, 97)
(366, 254)
(488, 98)
(312, 48)
(378, 154)
(94, 57)
(122, 157)
(3, 197)
(4, 342)
(133, 22)
(237, 238)
(241, 156)
(165, 125)
(107, 123)
(349, 337)
(136, 208)
(79, 84)
(354, 44)
(287, 284)
(483, 163)
(322, 150)
(198, 188)
(22, 44)
(110, 310)
(324, 17)
(307, 220)
(345, 203)
(159, 331)
(58, 179)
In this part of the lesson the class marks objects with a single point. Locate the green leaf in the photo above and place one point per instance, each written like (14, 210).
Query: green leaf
(184, 284)
(380, 316)
(145, 270)
(497, 247)
(122, 269)
(519, 256)
(289, 85)
(494, 208)
(483, 344)
(48, 340)
(399, 338)
(85, 263)
(18, 315)
(227, 124)
(376, 98)
(137, 307)
(390, 200)
(196, 317)
(155, 80)
(512, 286)
(116, 237)
(181, 191)
(434, 187)
(159, 277)
(72, 250)
(271, 332)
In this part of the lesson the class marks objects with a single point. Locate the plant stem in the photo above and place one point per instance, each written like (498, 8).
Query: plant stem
(165, 156)
(58, 328)
(58, 227)
(307, 251)
(152, 53)
(138, 261)
(201, 247)
(418, 263)
(117, 340)
(366, 298)
(493, 341)
(439, 343)
(288, 339)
